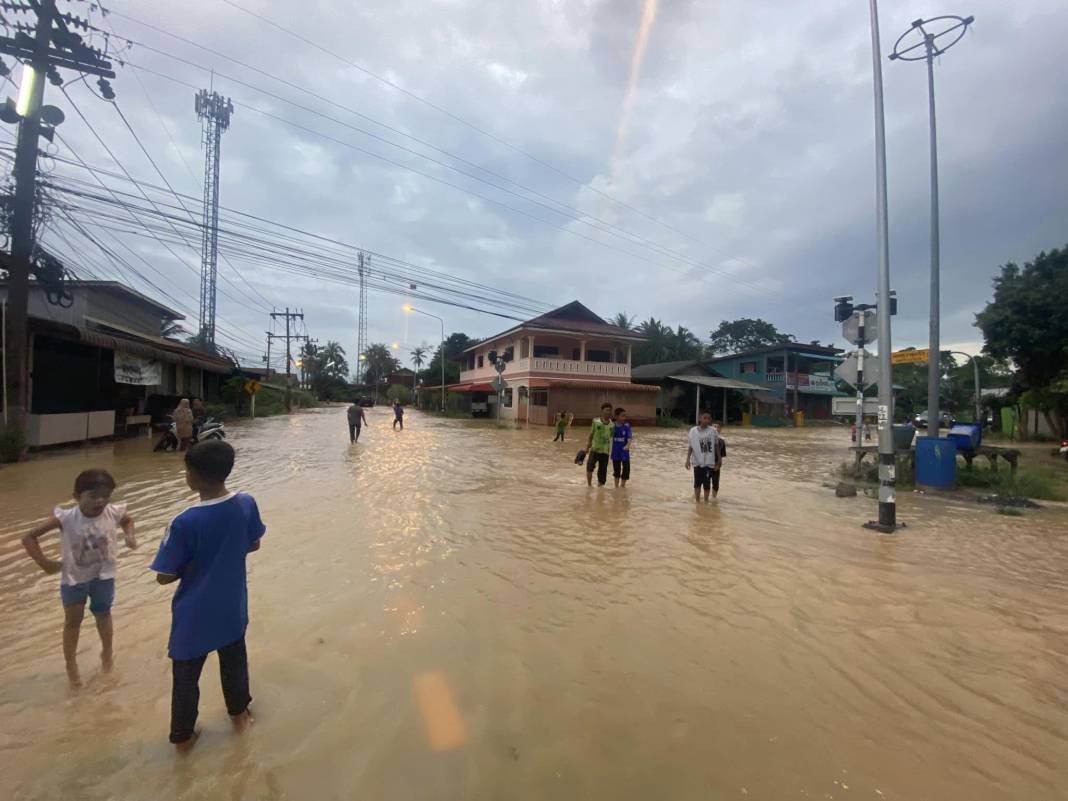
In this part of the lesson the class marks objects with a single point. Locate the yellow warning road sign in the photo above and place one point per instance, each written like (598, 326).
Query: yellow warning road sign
(252, 387)
(910, 356)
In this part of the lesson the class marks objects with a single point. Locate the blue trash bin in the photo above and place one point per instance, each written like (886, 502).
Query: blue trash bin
(936, 462)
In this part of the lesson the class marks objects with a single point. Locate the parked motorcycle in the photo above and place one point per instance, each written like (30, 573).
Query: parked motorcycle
(209, 429)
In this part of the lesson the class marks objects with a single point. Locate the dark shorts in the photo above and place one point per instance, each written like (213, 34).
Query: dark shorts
(621, 469)
(702, 477)
(100, 592)
(598, 462)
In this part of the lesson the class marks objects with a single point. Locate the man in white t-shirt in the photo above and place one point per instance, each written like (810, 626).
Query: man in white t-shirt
(703, 455)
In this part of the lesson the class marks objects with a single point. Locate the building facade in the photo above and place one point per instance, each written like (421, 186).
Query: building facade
(567, 360)
(99, 364)
(800, 377)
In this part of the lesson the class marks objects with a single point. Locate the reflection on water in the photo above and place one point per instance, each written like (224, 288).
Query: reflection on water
(449, 612)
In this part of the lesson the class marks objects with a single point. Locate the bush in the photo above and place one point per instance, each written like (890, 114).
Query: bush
(399, 392)
(670, 422)
(12, 443)
(1030, 481)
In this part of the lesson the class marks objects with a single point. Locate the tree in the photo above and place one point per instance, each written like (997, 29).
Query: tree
(662, 344)
(623, 320)
(172, 329)
(400, 393)
(1026, 323)
(745, 334)
(325, 370)
(379, 362)
(455, 345)
(419, 356)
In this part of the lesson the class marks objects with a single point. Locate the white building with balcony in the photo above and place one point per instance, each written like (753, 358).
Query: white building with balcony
(567, 360)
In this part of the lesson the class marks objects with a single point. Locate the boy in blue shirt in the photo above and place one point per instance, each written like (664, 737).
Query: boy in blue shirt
(205, 549)
(621, 437)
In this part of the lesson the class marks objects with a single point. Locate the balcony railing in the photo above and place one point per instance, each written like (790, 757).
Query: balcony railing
(572, 367)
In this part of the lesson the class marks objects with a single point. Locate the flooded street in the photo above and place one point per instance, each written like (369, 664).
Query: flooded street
(450, 613)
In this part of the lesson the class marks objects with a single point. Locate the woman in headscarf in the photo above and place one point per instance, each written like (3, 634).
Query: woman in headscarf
(183, 423)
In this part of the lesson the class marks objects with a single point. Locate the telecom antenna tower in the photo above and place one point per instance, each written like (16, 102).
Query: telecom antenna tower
(361, 317)
(214, 112)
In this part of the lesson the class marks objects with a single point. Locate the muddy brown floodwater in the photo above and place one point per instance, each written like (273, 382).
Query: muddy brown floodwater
(449, 613)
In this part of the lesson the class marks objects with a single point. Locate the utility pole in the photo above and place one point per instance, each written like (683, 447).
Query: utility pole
(52, 46)
(956, 29)
(288, 315)
(214, 112)
(361, 315)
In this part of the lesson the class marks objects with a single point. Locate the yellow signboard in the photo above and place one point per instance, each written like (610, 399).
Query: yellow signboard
(252, 387)
(910, 356)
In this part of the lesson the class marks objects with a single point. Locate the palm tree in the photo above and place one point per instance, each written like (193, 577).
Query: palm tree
(419, 356)
(685, 345)
(332, 357)
(658, 342)
(379, 362)
(623, 320)
(171, 329)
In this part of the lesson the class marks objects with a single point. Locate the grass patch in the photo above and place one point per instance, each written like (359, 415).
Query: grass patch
(670, 422)
(12, 443)
(1036, 481)
(1009, 511)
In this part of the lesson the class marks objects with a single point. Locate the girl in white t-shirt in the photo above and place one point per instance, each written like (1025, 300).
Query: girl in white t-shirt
(88, 549)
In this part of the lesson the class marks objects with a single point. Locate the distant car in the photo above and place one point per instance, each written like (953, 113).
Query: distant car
(366, 403)
(920, 420)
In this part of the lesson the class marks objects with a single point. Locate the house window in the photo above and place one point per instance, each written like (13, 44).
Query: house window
(524, 394)
(544, 351)
(509, 353)
(749, 367)
(508, 398)
(539, 397)
(480, 359)
(598, 355)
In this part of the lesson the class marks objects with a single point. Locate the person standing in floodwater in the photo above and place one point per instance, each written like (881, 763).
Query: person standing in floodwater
(599, 446)
(89, 548)
(205, 549)
(398, 415)
(721, 452)
(183, 424)
(703, 455)
(357, 417)
(561, 426)
(621, 439)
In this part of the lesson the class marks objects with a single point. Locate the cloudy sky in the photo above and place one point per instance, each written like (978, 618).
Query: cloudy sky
(736, 179)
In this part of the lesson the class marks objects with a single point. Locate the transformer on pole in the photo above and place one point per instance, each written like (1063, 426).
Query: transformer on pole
(214, 112)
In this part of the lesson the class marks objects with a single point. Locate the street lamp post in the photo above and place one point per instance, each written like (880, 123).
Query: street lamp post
(955, 30)
(410, 308)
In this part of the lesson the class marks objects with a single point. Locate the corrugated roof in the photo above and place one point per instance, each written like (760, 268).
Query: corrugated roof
(719, 383)
(660, 370)
(572, 318)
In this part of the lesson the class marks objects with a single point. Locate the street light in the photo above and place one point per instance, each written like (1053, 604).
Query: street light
(955, 29)
(410, 308)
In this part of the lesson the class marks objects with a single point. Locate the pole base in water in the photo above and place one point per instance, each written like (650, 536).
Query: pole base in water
(891, 528)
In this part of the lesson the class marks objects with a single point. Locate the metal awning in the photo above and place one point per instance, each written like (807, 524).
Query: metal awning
(719, 383)
(184, 357)
(823, 357)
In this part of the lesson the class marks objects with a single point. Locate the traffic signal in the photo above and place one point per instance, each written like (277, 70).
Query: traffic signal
(843, 308)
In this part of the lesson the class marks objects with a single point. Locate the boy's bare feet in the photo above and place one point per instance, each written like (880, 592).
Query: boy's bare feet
(187, 746)
(107, 661)
(242, 722)
(74, 675)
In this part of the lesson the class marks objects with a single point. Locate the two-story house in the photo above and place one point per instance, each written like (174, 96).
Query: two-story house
(567, 360)
(800, 376)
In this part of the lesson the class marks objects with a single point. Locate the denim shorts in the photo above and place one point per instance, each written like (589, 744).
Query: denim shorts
(100, 592)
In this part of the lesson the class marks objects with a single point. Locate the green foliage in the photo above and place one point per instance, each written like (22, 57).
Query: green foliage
(745, 334)
(1026, 323)
(325, 370)
(663, 344)
(623, 320)
(232, 393)
(400, 393)
(379, 362)
(455, 345)
(670, 422)
(1009, 511)
(1036, 481)
(12, 443)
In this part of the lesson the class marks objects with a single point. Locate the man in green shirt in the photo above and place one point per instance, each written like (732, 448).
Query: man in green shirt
(599, 446)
